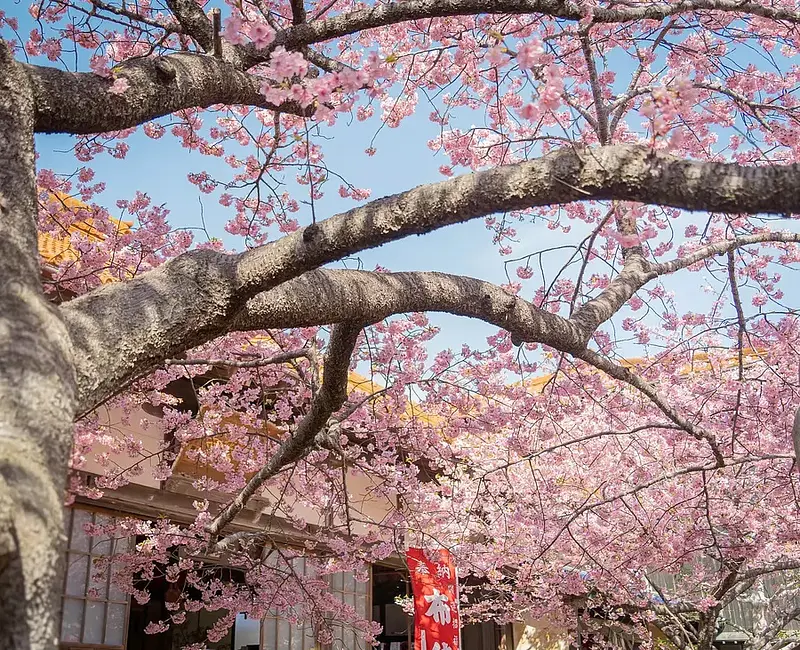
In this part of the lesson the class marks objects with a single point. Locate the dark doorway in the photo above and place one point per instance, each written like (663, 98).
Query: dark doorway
(193, 629)
(398, 628)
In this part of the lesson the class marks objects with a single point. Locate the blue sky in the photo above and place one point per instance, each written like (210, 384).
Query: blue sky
(402, 161)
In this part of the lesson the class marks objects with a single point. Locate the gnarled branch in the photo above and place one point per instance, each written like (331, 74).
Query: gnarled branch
(80, 103)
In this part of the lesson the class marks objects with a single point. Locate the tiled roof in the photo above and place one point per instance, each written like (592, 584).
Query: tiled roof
(700, 362)
(55, 250)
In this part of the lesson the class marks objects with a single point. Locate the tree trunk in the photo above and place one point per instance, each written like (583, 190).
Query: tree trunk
(37, 392)
(708, 629)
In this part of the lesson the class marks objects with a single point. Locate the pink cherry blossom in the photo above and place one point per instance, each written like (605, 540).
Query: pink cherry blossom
(119, 86)
(100, 65)
(261, 35)
(233, 32)
(285, 64)
(530, 54)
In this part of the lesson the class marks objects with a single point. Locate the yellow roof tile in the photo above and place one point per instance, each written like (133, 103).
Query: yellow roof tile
(56, 250)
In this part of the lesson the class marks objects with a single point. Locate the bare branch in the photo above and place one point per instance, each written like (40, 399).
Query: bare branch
(691, 469)
(251, 363)
(796, 435)
(575, 441)
(741, 329)
(327, 401)
(324, 62)
(594, 83)
(134, 16)
(638, 272)
(626, 375)
(216, 27)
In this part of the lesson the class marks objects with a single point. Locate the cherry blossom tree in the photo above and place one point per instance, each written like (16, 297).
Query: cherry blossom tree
(663, 133)
(595, 515)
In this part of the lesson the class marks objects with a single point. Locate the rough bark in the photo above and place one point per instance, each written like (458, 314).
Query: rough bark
(194, 22)
(79, 102)
(37, 392)
(329, 296)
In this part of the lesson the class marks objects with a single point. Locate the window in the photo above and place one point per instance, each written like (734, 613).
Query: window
(480, 636)
(353, 593)
(246, 633)
(279, 634)
(94, 611)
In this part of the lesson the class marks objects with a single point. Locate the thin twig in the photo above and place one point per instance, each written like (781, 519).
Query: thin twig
(737, 302)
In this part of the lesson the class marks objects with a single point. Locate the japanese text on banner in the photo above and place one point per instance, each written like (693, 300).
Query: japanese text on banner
(436, 617)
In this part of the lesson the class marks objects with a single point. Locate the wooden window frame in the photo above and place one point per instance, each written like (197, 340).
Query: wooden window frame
(317, 645)
(69, 517)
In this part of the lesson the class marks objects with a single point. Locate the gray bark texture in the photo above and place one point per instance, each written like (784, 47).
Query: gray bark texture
(37, 391)
(57, 363)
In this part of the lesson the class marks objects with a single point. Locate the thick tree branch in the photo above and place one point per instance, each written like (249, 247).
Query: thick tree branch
(776, 567)
(37, 390)
(330, 397)
(398, 12)
(637, 272)
(324, 62)
(623, 172)
(777, 623)
(298, 11)
(162, 314)
(600, 109)
(721, 248)
(194, 22)
(634, 275)
(741, 331)
(197, 296)
(303, 34)
(80, 103)
(322, 296)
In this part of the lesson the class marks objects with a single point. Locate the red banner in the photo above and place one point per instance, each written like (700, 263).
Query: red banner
(437, 623)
